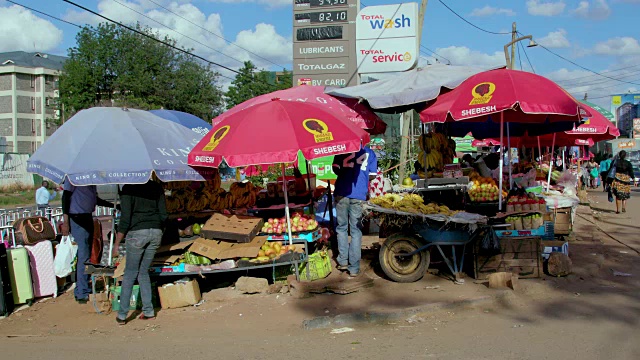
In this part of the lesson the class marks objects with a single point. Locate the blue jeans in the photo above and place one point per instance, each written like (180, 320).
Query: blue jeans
(141, 248)
(349, 214)
(81, 228)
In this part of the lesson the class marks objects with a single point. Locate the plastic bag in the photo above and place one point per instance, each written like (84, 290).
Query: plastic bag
(65, 255)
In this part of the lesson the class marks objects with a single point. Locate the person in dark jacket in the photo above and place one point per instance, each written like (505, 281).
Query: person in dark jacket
(621, 183)
(142, 222)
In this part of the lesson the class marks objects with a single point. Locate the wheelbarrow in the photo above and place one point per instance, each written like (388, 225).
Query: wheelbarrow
(405, 257)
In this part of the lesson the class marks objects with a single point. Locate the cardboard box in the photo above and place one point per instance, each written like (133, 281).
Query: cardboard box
(217, 249)
(174, 247)
(236, 228)
(554, 246)
(179, 294)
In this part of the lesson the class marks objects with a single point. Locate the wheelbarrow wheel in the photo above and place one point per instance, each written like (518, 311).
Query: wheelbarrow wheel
(400, 268)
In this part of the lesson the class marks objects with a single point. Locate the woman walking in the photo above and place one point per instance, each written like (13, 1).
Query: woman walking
(142, 222)
(621, 184)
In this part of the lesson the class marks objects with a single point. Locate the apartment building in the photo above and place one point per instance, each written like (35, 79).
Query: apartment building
(28, 92)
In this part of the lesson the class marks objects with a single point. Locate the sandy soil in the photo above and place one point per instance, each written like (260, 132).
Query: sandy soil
(591, 314)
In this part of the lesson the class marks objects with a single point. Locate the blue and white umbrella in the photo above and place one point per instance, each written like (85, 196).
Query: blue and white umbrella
(108, 145)
(185, 119)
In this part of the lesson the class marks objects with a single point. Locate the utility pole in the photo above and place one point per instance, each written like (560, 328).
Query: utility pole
(407, 117)
(513, 46)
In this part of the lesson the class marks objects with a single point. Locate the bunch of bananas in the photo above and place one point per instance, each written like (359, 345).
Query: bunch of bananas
(244, 194)
(411, 203)
(174, 204)
(220, 200)
(435, 151)
(197, 202)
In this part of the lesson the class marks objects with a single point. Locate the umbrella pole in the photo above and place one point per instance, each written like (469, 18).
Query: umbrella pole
(113, 227)
(564, 163)
(539, 150)
(501, 161)
(509, 156)
(286, 204)
(553, 144)
(309, 186)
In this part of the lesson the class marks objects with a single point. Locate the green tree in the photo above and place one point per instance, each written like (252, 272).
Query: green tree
(251, 82)
(111, 65)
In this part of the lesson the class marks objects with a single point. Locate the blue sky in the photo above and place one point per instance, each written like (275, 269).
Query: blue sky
(600, 35)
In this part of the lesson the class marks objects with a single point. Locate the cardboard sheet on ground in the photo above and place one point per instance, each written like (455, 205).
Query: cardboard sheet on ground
(217, 249)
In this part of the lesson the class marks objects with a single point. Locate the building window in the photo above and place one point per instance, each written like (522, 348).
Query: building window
(33, 81)
(48, 102)
(33, 126)
(33, 103)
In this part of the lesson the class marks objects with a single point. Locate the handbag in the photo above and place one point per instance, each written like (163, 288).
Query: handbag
(33, 229)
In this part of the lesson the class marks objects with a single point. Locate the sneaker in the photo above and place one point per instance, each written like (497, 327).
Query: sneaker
(342, 267)
(353, 276)
(82, 301)
(120, 321)
(145, 317)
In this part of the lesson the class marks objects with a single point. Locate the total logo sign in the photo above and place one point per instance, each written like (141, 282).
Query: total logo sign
(385, 55)
(387, 21)
(387, 38)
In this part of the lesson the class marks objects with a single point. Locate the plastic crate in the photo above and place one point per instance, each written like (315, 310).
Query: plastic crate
(310, 236)
(319, 265)
(136, 301)
(162, 269)
(545, 232)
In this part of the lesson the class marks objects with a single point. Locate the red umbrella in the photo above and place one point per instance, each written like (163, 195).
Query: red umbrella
(594, 129)
(518, 96)
(273, 132)
(355, 111)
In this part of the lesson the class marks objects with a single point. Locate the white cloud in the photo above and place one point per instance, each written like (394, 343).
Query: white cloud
(264, 40)
(462, 55)
(271, 3)
(539, 8)
(555, 39)
(202, 33)
(619, 46)
(39, 35)
(489, 10)
(598, 88)
(598, 11)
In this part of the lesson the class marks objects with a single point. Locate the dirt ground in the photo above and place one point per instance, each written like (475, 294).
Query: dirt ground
(591, 314)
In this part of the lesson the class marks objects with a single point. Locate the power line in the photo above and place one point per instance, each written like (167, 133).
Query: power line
(214, 34)
(45, 14)
(528, 60)
(422, 46)
(472, 24)
(582, 67)
(177, 32)
(576, 80)
(519, 56)
(153, 38)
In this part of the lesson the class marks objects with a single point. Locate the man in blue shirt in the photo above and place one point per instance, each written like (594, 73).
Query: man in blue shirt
(605, 165)
(354, 172)
(43, 196)
(78, 204)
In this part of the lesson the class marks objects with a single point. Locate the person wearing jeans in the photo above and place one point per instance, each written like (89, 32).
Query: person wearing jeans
(142, 222)
(354, 172)
(78, 204)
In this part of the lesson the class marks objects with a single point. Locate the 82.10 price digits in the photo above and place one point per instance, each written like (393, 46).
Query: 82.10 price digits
(320, 3)
(329, 16)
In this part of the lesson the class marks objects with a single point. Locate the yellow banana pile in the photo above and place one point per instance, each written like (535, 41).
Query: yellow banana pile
(411, 203)
(435, 151)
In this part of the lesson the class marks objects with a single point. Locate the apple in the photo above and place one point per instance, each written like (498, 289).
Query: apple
(270, 221)
(275, 221)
